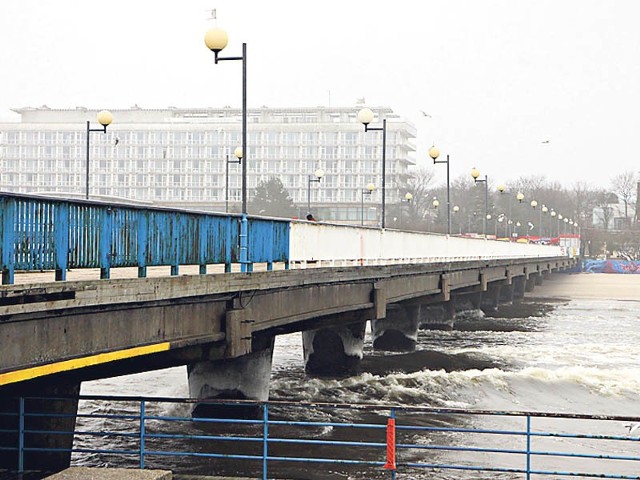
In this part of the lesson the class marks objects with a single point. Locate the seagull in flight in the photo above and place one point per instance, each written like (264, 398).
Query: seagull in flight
(545, 141)
(632, 427)
(425, 114)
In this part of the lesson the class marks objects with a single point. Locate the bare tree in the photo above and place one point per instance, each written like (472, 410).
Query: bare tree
(421, 185)
(603, 212)
(624, 185)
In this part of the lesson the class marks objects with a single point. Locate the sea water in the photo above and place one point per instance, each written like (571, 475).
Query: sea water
(544, 355)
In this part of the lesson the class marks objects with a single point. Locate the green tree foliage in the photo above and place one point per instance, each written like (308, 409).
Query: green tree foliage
(272, 199)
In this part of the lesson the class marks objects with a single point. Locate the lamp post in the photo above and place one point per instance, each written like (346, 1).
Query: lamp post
(559, 220)
(475, 173)
(367, 191)
(216, 40)
(553, 215)
(365, 116)
(544, 210)
(434, 153)
(104, 118)
(456, 209)
(408, 197)
(435, 204)
(237, 153)
(534, 204)
(503, 189)
(316, 177)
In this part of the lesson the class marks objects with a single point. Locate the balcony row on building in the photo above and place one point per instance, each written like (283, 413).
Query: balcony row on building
(179, 156)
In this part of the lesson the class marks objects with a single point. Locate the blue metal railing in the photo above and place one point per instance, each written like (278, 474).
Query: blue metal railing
(362, 441)
(40, 233)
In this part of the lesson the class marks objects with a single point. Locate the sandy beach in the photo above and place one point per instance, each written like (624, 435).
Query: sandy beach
(609, 286)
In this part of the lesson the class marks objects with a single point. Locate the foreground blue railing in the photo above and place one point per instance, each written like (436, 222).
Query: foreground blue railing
(359, 441)
(39, 233)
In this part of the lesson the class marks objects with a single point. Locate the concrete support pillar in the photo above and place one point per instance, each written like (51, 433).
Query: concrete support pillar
(538, 279)
(467, 301)
(398, 332)
(490, 299)
(506, 293)
(241, 378)
(438, 316)
(47, 416)
(519, 287)
(530, 283)
(334, 350)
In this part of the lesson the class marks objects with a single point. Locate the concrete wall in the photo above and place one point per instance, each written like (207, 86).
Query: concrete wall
(340, 244)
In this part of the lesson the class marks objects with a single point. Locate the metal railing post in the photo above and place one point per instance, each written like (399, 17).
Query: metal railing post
(142, 433)
(265, 439)
(528, 447)
(21, 436)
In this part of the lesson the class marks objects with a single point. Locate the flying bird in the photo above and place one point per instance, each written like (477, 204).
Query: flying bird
(117, 141)
(212, 12)
(545, 141)
(632, 427)
(425, 114)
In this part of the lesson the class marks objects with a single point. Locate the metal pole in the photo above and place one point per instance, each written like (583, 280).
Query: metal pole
(540, 224)
(309, 195)
(362, 207)
(226, 187)
(244, 240)
(486, 206)
(448, 200)
(86, 188)
(384, 166)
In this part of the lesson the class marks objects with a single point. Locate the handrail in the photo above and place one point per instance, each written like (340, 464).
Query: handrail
(404, 440)
(44, 233)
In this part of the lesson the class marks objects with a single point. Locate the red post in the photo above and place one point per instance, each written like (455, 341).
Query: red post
(391, 444)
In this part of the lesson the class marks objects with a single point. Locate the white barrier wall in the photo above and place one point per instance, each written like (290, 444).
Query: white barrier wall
(346, 244)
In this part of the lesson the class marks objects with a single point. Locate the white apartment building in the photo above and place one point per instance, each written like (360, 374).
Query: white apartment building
(177, 156)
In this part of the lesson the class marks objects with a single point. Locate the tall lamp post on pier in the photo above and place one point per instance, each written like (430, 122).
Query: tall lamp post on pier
(366, 191)
(534, 205)
(237, 153)
(316, 177)
(104, 118)
(216, 40)
(365, 116)
(434, 153)
(475, 173)
(408, 198)
(544, 210)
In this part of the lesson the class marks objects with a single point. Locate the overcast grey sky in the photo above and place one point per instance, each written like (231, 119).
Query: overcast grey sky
(497, 77)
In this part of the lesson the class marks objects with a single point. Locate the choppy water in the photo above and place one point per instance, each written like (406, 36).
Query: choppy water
(578, 356)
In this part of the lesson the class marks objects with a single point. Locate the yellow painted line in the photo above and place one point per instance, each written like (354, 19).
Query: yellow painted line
(76, 363)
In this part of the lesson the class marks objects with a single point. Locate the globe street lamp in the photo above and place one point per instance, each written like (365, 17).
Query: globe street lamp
(456, 209)
(553, 215)
(503, 189)
(434, 153)
(367, 191)
(534, 204)
(365, 116)
(237, 153)
(318, 174)
(475, 173)
(104, 118)
(216, 40)
(408, 198)
(544, 210)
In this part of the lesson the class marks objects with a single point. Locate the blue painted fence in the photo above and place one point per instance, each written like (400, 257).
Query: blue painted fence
(351, 440)
(40, 233)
